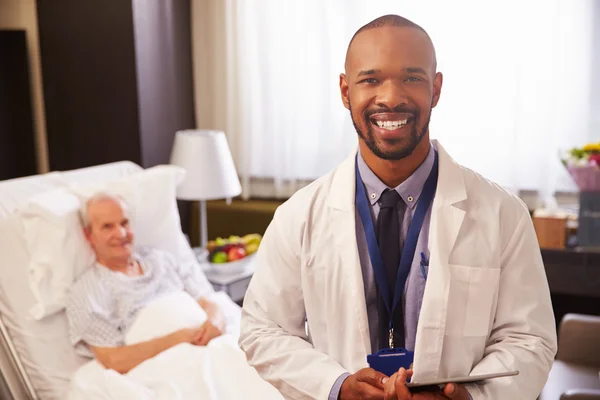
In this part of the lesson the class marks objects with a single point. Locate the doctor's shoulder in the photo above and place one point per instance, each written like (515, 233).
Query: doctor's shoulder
(492, 199)
(308, 202)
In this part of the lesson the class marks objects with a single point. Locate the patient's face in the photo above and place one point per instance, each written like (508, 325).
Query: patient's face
(109, 232)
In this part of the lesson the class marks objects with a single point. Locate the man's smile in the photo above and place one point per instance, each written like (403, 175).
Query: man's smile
(391, 125)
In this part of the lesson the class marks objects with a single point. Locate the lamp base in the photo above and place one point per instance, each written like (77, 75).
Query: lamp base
(202, 224)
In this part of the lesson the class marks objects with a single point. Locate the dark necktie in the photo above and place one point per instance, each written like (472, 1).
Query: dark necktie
(388, 238)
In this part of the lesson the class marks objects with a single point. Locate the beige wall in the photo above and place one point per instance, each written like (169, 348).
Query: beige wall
(22, 14)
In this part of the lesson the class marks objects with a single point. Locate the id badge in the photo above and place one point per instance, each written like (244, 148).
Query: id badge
(389, 361)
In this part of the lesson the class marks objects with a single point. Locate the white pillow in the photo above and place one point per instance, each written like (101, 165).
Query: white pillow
(57, 246)
(58, 249)
(165, 315)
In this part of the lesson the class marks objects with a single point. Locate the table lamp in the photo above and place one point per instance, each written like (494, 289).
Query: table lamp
(211, 173)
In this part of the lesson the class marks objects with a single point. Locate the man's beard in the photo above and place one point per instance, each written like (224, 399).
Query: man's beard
(414, 138)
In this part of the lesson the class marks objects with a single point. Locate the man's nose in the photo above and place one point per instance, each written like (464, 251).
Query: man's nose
(123, 232)
(391, 94)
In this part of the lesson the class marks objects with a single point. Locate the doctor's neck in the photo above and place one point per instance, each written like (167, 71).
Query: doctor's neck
(394, 172)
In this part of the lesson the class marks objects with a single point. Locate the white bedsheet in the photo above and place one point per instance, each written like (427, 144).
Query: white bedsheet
(218, 371)
(215, 372)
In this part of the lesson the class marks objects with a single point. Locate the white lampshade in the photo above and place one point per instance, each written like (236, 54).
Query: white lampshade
(206, 157)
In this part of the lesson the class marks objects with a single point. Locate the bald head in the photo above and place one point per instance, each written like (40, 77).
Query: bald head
(390, 20)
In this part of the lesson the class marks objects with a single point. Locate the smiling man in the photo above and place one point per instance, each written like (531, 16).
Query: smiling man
(393, 87)
(399, 247)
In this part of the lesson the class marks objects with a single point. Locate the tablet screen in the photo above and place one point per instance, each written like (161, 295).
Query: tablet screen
(461, 379)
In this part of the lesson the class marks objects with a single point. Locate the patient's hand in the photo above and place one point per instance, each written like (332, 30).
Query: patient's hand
(188, 335)
(215, 324)
(124, 358)
(208, 332)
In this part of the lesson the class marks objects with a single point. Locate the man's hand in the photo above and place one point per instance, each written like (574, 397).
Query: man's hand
(124, 358)
(458, 392)
(395, 389)
(214, 313)
(207, 332)
(364, 384)
(188, 335)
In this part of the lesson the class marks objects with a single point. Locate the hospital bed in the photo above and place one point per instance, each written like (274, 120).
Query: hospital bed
(36, 358)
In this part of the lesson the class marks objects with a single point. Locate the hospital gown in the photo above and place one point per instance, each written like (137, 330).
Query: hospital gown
(102, 304)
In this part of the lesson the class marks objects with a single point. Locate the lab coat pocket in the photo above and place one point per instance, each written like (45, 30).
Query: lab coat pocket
(472, 295)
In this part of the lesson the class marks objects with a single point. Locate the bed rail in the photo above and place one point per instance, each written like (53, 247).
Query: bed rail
(14, 373)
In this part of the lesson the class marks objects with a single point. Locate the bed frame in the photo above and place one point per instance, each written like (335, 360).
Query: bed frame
(17, 383)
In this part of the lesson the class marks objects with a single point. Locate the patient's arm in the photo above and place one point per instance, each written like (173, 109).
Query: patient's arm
(215, 323)
(125, 358)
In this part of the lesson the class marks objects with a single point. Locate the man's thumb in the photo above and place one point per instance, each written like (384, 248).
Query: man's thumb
(454, 391)
(197, 335)
(375, 378)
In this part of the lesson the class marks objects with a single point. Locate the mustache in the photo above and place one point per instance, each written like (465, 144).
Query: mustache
(397, 109)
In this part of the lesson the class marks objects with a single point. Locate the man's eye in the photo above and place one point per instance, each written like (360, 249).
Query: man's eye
(369, 80)
(413, 79)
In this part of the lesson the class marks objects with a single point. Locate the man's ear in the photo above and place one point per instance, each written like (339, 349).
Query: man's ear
(87, 232)
(344, 91)
(438, 80)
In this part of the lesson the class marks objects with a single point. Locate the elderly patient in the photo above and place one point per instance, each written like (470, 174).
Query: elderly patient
(105, 300)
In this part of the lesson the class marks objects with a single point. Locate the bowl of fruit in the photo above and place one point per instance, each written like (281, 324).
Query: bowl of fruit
(232, 255)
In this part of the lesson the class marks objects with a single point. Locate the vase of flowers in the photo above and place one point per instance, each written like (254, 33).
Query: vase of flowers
(583, 165)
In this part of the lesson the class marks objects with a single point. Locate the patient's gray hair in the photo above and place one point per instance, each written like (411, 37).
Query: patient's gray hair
(98, 197)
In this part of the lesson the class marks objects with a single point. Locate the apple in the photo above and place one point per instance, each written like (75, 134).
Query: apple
(219, 257)
(236, 253)
(225, 248)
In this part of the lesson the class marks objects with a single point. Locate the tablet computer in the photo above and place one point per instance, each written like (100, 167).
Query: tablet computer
(460, 379)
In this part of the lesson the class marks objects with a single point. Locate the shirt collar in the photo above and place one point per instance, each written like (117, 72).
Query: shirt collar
(104, 270)
(410, 190)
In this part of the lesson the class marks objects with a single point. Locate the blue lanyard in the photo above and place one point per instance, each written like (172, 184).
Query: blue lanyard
(410, 243)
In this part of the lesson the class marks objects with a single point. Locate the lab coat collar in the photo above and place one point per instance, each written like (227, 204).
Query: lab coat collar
(450, 191)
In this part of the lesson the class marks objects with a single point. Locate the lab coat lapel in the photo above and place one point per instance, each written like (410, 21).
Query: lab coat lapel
(341, 202)
(447, 216)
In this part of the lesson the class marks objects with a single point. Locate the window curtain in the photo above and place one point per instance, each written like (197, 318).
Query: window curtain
(518, 85)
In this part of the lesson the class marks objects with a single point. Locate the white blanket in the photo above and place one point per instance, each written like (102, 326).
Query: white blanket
(218, 371)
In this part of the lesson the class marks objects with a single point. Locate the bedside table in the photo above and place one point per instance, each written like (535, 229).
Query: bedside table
(234, 284)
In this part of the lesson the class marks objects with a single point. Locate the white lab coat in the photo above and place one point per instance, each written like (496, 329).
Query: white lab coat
(486, 306)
